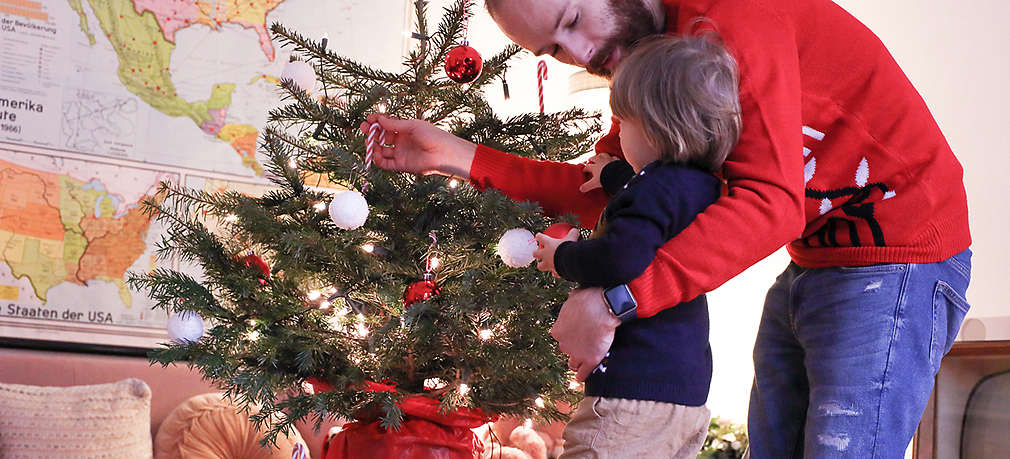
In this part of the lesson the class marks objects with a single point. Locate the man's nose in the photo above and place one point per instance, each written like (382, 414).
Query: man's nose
(579, 51)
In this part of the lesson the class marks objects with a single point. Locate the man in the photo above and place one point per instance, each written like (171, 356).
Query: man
(839, 157)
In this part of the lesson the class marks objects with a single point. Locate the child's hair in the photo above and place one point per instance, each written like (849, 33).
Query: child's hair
(684, 92)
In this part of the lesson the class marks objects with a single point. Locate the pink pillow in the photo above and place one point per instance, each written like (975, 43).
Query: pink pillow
(209, 426)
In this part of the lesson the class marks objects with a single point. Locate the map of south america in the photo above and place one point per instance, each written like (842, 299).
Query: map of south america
(142, 33)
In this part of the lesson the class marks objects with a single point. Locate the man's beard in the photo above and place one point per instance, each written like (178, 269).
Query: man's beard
(633, 22)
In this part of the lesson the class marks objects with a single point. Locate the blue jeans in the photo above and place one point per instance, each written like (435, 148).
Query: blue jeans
(845, 357)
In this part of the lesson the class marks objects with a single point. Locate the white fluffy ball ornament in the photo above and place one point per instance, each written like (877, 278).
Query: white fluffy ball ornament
(349, 210)
(185, 327)
(301, 73)
(516, 247)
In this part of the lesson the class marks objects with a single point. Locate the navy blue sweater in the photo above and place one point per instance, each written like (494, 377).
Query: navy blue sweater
(666, 357)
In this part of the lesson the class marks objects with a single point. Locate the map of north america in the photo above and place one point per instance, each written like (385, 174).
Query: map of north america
(142, 33)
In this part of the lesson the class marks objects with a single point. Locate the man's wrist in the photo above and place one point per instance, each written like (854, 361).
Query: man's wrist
(621, 303)
(459, 159)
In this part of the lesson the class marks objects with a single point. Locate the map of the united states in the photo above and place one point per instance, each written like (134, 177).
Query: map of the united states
(55, 228)
(142, 32)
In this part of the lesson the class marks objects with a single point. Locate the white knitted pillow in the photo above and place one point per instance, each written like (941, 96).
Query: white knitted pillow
(101, 421)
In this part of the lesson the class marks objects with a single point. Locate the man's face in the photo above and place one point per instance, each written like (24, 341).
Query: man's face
(593, 34)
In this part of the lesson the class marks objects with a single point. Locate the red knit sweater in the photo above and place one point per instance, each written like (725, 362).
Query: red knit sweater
(839, 157)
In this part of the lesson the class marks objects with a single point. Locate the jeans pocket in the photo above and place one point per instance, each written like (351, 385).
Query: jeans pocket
(949, 309)
(871, 269)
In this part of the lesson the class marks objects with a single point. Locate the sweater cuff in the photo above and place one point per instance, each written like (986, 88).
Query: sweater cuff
(561, 256)
(488, 164)
(615, 175)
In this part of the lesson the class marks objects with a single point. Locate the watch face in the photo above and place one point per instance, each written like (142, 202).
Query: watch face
(620, 299)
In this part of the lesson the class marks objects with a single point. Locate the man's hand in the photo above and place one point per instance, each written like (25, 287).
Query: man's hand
(549, 245)
(594, 167)
(418, 147)
(585, 330)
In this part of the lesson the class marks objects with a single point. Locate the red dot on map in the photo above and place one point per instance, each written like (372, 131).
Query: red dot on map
(158, 88)
(156, 42)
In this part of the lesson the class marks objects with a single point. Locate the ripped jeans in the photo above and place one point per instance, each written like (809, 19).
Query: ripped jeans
(845, 357)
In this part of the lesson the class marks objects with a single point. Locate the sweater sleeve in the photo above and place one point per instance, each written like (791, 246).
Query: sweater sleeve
(615, 175)
(638, 222)
(554, 185)
(763, 209)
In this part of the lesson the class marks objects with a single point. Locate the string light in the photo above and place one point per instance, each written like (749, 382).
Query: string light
(343, 312)
(325, 304)
(314, 295)
(434, 263)
(370, 248)
(485, 334)
(331, 290)
(573, 384)
(463, 389)
(335, 321)
(320, 206)
(293, 163)
(253, 335)
(528, 423)
(231, 218)
(453, 183)
(381, 107)
(360, 326)
(539, 402)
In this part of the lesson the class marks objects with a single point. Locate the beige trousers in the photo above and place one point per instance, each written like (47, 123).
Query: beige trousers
(615, 428)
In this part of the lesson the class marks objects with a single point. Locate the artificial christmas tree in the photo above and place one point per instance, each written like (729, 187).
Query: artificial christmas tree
(406, 319)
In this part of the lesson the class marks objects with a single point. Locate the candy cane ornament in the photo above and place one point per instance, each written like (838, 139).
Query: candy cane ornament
(541, 76)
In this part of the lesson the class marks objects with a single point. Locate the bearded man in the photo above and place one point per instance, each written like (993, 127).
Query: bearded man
(839, 159)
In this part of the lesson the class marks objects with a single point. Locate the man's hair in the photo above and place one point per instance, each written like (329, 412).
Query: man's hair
(684, 92)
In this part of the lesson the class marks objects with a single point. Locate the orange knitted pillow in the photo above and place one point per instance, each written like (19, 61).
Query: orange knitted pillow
(209, 426)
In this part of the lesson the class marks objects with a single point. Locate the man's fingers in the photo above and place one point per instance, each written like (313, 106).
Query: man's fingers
(573, 233)
(584, 371)
(573, 364)
(586, 187)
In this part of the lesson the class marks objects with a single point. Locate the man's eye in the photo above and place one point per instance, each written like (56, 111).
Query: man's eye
(574, 21)
(555, 51)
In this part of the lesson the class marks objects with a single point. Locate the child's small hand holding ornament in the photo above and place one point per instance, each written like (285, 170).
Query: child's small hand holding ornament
(549, 241)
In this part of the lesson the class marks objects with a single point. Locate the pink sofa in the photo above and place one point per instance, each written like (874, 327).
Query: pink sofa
(169, 386)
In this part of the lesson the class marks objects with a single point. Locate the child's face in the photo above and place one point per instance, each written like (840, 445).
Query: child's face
(638, 151)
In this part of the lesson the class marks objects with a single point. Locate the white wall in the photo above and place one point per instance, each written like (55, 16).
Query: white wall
(956, 55)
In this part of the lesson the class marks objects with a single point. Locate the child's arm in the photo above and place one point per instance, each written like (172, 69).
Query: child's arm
(638, 224)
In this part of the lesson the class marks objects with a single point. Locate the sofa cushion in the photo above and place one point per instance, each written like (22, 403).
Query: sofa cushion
(104, 420)
(210, 426)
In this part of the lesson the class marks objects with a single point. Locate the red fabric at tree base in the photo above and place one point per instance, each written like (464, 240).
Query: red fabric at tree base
(424, 433)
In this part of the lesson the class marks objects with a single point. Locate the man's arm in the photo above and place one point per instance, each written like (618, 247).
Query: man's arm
(764, 207)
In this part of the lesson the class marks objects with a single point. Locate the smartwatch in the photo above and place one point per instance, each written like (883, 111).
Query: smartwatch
(621, 302)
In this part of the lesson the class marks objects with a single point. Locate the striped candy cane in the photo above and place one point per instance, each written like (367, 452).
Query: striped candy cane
(374, 131)
(299, 452)
(541, 76)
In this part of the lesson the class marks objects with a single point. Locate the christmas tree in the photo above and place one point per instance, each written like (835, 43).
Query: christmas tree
(416, 302)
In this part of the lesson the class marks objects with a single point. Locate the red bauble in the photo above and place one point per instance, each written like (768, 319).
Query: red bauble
(420, 291)
(558, 231)
(258, 263)
(463, 64)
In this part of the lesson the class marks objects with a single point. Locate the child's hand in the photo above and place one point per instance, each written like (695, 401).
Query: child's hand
(549, 245)
(595, 167)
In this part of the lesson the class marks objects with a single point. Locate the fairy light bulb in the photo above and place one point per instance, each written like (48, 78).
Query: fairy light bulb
(331, 290)
(434, 263)
(485, 334)
(453, 183)
(253, 335)
(528, 423)
(342, 312)
(314, 295)
(573, 384)
(463, 389)
(539, 402)
(369, 248)
(381, 107)
(360, 327)
(325, 304)
(231, 218)
(293, 163)
(319, 206)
